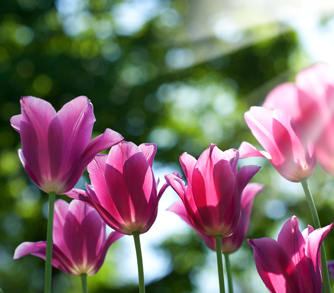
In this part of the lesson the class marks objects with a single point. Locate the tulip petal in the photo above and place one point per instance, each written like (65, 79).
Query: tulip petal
(113, 236)
(293, 242)
(260, 122)
(77, 119)
(179, 209)
(274, 266)
(246, 150)
(187, 164)
(149, 150)
(15, 122)
(245, 174)
(285, 97)
(98, 144)
(312, 253)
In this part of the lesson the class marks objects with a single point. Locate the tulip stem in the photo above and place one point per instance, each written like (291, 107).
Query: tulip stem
(139, 262)
(49, 244)
(316, 221)
(84, 283)
(228, 272)
(220, 263)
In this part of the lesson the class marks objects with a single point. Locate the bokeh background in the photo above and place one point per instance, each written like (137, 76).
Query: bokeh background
(179, 73)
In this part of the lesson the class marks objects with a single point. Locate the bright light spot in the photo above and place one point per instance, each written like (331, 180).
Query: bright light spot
(24, 35)
(78, 23)
(165, 138)
(224, 104)
(170, 18)
(103, 29)
(227, 30)
(179, 58)
(130, 16)
(275, 209)
(111, 51)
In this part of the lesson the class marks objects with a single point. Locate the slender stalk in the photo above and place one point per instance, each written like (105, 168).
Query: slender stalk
(84, 283)
(49, 244)
(139, 262)
(228, 272)
(316, 221)
(220, 263)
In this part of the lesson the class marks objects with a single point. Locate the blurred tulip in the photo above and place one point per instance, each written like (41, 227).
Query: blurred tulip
(232, 243)
(212, 198)
(79, 235)
(292, 263)
(285, 150)
(56, 147)
(331, 268)
(123, 189)
(310, 102)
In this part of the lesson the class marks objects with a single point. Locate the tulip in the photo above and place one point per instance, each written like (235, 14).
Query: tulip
(292, 263)
(56, 149)
(123, 190)
(330, 264)
(212, 198)
(310, 101)
(80, 242)
(231, 243)
(284, 148)
(56, 146)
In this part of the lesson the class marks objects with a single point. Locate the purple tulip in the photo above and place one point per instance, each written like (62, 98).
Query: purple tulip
(292, 263)
(232, 243)
(56, 146)
(79, 235)
(123, 190)
(212, 198)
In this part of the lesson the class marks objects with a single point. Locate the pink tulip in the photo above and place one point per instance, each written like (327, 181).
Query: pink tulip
(232, 243)
(292, 263)
(123, 190)
(284, 148)
(212, 198)
(310, 101)
(56, 146)
(79, 235)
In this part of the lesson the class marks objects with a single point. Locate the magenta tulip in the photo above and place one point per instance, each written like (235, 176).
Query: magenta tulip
(80, 242)
(232, 243)
(310, 102)
(292, 263)
(123, 189)
(56, 146)
(284, 148)
(212, 198)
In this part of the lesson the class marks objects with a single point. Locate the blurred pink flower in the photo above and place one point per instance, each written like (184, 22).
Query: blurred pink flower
(212, 198)
(331, 268)
(232, 243)
(284, 148)
(56, 147)
(310, 102)
(79, 239)
(124, 190)
(292, 263)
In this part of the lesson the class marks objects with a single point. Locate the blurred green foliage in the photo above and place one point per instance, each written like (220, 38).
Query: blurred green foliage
(151, 83)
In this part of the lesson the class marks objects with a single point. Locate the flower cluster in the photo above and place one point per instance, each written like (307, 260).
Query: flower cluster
(216, 201)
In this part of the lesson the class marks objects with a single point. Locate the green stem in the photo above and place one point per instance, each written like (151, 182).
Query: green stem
(220, 263)
(316, 221)
(84, 283)
(49, 244)
(139, 262)
(228, 272)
